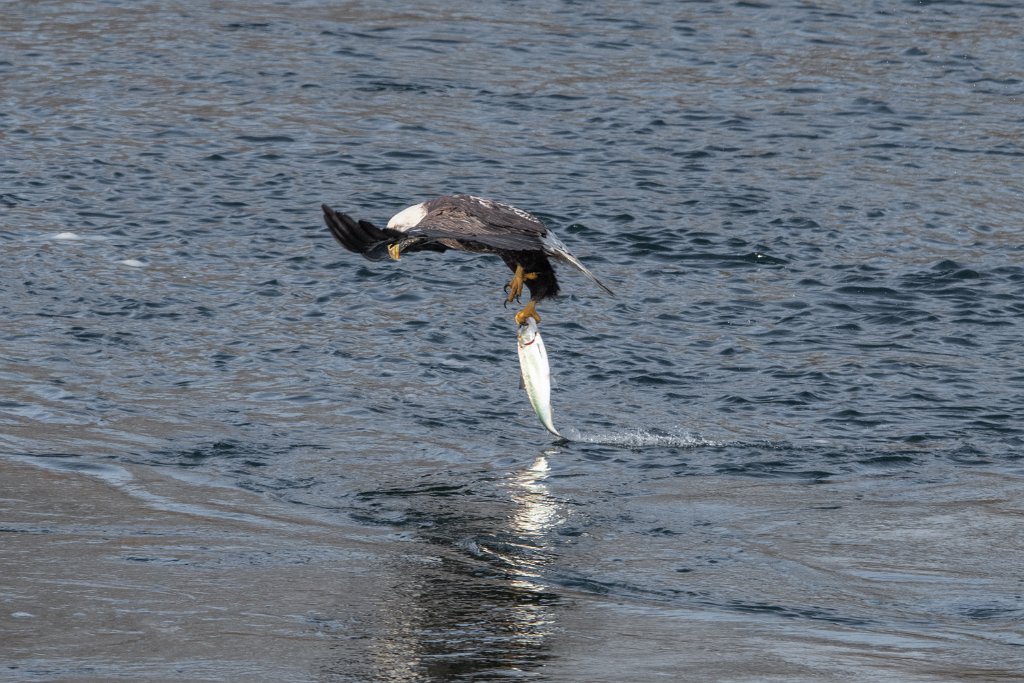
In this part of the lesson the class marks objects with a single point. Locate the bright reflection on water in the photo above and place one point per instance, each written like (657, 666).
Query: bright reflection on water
(536, 512)
(475, 603)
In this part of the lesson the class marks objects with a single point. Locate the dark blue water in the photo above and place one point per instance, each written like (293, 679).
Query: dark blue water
(230, 449)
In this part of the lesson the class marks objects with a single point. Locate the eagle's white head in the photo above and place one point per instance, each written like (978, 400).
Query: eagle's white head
(408, 218)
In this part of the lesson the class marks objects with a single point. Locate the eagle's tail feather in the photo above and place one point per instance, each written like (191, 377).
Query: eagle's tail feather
(555, 247)
(575, 262)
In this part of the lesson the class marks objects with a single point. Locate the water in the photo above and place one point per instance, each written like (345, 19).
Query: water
(231, 450)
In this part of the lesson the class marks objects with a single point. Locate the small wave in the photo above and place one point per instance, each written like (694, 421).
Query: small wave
(641, 438)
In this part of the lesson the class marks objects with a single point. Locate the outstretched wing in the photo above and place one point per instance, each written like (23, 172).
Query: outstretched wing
(500, 227)
(362, 237)
(482, 222)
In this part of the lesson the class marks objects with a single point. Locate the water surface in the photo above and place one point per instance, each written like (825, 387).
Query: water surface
(231, 450)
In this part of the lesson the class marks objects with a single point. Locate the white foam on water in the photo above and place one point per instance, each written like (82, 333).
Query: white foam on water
(68, 236)
(639, 437)
(134, 263)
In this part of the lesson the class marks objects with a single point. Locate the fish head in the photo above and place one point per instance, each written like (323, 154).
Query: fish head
(528, 333)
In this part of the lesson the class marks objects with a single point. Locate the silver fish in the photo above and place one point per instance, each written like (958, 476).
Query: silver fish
(533, 362)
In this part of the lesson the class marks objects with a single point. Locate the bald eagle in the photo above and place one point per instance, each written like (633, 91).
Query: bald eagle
(473, 224)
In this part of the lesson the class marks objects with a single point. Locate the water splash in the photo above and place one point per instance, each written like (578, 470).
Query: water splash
(640, 437)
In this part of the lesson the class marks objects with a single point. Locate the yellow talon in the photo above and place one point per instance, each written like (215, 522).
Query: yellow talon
(515, 285)
(394, 250)
(529, 311)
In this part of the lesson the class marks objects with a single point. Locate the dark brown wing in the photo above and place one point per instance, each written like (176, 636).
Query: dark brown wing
(470, 220)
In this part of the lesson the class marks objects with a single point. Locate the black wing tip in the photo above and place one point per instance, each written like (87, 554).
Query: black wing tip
(330, 213)
(361, 237)
(346, 231)
(340, 230)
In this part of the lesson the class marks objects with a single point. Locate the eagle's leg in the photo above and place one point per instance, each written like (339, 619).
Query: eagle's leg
(529, 311)
(515, 285)
(394, 250)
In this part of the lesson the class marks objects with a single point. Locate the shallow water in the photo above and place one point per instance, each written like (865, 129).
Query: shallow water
(231, 450)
